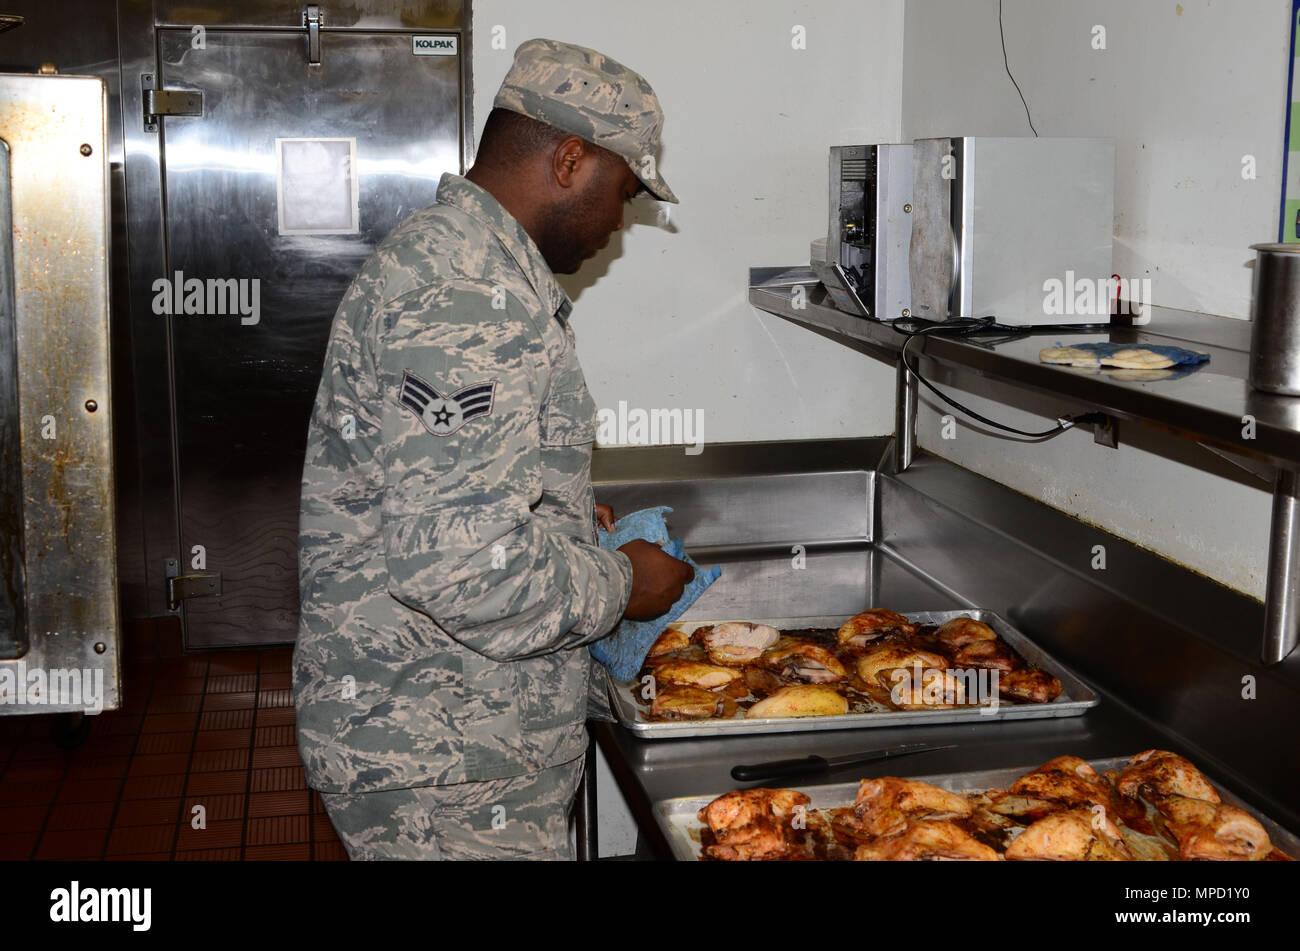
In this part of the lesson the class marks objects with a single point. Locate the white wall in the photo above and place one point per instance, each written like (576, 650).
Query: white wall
(1187, 90)
(662, 317)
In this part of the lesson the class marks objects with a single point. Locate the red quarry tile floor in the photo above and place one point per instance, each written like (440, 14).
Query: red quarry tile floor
(202, 734)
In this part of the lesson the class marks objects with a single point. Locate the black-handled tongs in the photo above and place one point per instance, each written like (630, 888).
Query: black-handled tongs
(787, 768)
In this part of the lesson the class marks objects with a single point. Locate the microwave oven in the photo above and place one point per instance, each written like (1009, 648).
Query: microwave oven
(863, 261)
(1019, 229)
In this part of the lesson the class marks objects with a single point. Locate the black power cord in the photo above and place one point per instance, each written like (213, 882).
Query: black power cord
(1009, 76)
(969, 326)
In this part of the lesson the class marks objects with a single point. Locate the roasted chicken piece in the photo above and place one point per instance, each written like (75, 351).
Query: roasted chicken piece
(677, 702)
(801, 700)
(1022, 807)
(1148, 848)
(883, 806)
(989, 825)
(735, 643)
(1066, 780)
(1165, 774)
(993, 654)
(689, 674)
(869, 625)
(807, 662)
(752, 824)
(911, 688)
(1214, 830)
(762, 681)
(1030, 684)
(886, 657)
(669, 641)
(1073, 835)
(926, 841)
(961, 631)
(1132, 812)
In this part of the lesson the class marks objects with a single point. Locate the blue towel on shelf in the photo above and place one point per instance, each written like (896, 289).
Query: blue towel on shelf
(1177, 354)
(624, 651)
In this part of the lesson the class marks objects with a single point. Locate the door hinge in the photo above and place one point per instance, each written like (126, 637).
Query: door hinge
(167, 102)
(312, 20)
(199, 584)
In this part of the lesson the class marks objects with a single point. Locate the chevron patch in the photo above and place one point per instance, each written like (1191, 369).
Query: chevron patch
(444, 415)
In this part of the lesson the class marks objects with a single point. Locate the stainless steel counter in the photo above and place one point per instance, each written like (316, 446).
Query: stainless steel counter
(1165, 649)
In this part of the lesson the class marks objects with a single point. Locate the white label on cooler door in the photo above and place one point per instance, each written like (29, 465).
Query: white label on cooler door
(434, 45)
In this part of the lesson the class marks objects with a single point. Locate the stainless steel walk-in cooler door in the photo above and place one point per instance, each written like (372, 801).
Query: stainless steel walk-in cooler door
(285, 156)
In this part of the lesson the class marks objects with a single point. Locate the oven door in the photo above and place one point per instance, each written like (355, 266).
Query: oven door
(59, 648)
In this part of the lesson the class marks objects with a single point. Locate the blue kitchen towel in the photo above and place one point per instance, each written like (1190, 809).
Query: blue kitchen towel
(624, 651)
(1177, 354)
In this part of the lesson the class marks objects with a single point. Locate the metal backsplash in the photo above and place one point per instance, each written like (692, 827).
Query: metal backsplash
(1178, 648)
(738, 497)
(789, 523)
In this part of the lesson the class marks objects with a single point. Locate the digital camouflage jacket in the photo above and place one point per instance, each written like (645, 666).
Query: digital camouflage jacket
(448, 570)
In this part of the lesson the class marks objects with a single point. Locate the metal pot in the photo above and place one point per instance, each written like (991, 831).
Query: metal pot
(1275, 314)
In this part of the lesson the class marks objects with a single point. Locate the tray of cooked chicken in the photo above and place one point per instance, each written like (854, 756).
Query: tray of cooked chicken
(1154, 806)
(878, 668)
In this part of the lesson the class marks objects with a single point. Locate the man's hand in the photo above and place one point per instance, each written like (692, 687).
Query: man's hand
(605, 516)
(657, 580)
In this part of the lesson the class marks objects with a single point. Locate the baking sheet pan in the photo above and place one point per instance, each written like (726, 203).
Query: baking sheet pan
(1076, 696)
(681, 826)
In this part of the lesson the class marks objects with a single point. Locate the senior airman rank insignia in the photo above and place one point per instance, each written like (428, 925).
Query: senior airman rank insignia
(443, 415)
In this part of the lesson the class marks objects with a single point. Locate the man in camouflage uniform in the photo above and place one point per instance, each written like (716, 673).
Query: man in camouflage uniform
(449, 574)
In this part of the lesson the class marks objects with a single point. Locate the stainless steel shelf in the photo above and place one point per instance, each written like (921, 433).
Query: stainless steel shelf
(1207, 402)
(1210, 402)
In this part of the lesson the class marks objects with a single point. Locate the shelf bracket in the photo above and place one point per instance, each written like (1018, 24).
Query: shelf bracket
(1106, 433)
(1281, 607)
(905, 403)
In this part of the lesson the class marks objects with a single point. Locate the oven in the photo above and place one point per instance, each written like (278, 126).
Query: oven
(59, 618)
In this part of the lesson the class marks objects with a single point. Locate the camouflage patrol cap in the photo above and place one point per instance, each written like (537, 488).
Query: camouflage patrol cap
(585, 93)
